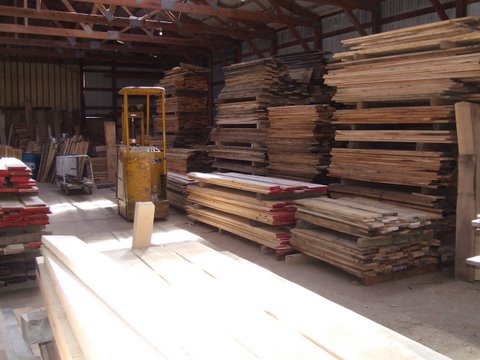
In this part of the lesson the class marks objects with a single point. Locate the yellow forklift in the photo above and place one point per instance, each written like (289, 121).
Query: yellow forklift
(142, 168)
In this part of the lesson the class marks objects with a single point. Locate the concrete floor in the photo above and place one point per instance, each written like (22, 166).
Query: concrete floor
(432, 309)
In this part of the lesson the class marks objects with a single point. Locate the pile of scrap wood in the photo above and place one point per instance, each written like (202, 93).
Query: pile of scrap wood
(299, 142)
(309, 68)
(177, 189)
(188, 118)
(9, 151)
(183, 161)
(242, 120)
(370, 239)
(23, 216)
(70, 146)
(94, 315)
(257, 208)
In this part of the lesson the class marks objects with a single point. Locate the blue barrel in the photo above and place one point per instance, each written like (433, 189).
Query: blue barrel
(33, 162)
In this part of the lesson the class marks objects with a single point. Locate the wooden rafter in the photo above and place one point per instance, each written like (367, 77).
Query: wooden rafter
(100, 35)
(442, 14)
(299, 10)
(124, 21)
(351, 4)
(189, 8)
(70, 8)
(356, 23)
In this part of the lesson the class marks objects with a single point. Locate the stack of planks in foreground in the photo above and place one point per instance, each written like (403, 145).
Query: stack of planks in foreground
(257, 208)
(399, 143)
(187, 116)
(23, 216)
(299, 142)
(373, 240)
(204, 313)
(179, 163)
(241, 123)
(308, 67)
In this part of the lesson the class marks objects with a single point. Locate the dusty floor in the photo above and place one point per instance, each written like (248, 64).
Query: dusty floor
(432, 309)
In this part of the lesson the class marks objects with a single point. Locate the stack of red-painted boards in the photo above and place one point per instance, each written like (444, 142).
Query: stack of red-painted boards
(17, 211)
(257, 208)
(15, 177)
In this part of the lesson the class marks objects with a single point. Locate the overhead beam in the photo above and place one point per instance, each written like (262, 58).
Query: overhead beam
(442, 14)
(351, 4)
(293, 7)
(70, 8)
(355, 22)
(125, 21)
(99, 35)
(189, 8)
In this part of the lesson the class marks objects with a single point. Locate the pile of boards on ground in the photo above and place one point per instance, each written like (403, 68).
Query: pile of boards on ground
(206, 309)
(23, 216)
(258, 208)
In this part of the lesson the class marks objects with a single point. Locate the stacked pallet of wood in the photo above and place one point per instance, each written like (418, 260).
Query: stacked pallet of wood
(258, 208)
(241, 107)
(187, 116)
(299, 142)
(23, 216)
(309, 68)
(183, 161)
(370, 239)
(177, 189)
(94, 315)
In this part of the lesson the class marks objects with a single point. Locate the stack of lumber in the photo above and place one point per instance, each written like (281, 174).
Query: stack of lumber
(94, 315)
(70, 146)
(9, 151)
(16, 177)
(183, 161)
(370, 239)
(257, 208)
(177, 189)
(433, 61)
(299, 142)
(241, 108)
(23, 216)
(187, 113)
(309, 68)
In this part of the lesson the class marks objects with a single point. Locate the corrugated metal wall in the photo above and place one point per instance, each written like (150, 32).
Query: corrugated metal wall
(48, 85)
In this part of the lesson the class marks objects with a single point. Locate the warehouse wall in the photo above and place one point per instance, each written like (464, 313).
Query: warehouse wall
(49, 85)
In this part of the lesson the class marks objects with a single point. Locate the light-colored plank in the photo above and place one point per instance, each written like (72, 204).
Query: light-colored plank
(143, 224)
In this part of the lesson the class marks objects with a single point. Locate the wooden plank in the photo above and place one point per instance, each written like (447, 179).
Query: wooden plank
(468, 199)
(143, 224)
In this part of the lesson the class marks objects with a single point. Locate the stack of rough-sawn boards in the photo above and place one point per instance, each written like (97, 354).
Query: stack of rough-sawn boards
(257, 208)
(187, 117)
(299, 142)
(400, 143)
(241, 123)
(23, 216)
(373, 240)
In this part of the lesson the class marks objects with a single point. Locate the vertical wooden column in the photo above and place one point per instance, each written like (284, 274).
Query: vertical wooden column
(467, 243)
(110, 130)
(114, 92)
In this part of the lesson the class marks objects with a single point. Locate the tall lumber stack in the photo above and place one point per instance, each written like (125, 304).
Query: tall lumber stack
(370, 239)
(187, 115)
(23, 216)
(241, 107)
(299, 142)
(257, 208)
(399, 143)
(309, 68)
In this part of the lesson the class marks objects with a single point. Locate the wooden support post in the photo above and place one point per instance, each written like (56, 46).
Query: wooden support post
(143, 225)
(467, 242)
(377, 18)
(460, 8)
(3, 136)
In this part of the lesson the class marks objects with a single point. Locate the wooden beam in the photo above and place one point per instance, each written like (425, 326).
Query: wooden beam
(98, 35)
(439, 9)
(460, 8)
(377, 18)
(351, 4)
(291, 27)
(189, 8)
(299, 10)
(70, 8)
(355, 21)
